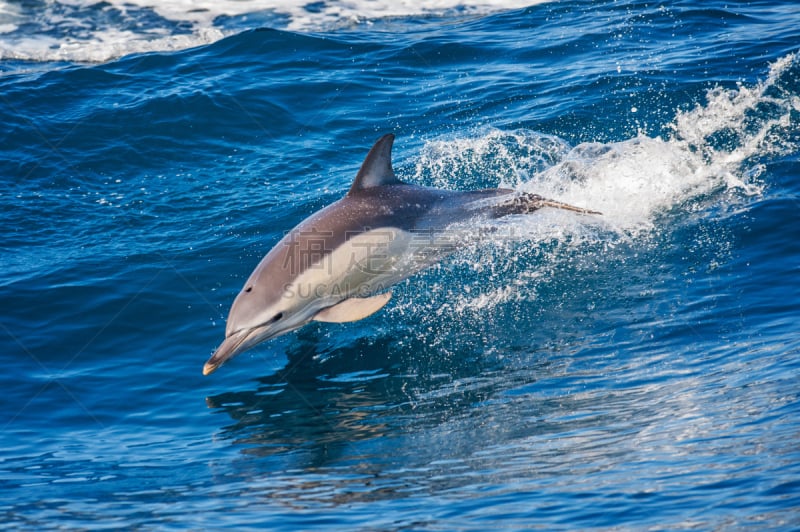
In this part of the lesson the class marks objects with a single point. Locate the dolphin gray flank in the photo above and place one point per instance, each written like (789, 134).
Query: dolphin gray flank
(339, 264)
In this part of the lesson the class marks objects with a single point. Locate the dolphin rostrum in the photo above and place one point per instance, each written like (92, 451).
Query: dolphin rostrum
(339, 263)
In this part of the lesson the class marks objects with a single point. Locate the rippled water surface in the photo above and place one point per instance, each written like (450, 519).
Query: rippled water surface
(633, 370)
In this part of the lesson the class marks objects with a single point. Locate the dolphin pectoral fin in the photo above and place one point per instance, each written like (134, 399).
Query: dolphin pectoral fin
(526, 203)
(353, 309)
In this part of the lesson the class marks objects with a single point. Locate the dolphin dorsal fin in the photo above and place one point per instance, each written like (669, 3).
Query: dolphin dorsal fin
(376, 170)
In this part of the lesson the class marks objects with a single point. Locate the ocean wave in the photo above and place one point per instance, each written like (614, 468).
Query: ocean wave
(87, 31)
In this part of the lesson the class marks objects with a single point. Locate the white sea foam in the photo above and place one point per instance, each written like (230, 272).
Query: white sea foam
(87, 31)
(633, 181)
(638, 184)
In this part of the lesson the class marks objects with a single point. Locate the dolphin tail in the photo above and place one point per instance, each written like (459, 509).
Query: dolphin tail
(526, 203)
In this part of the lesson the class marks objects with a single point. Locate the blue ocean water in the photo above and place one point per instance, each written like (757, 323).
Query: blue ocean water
(636, 370)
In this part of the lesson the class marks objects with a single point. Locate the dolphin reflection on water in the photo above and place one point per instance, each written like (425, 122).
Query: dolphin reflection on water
(339, 263)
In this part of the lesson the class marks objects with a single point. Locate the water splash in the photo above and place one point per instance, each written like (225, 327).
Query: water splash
(713, 156)
(712, 148)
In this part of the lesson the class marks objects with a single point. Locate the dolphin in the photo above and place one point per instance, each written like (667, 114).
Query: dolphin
(338, 265)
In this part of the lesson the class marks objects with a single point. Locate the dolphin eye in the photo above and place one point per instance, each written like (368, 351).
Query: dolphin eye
(248, 289)
(277, 317)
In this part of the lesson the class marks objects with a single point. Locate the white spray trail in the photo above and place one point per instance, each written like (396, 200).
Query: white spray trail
(715, 154)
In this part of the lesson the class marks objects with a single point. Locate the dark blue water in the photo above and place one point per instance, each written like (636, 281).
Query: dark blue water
(632, 371)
